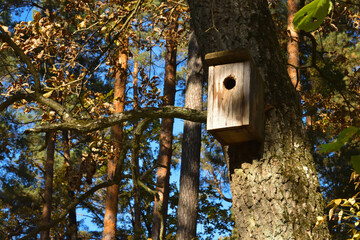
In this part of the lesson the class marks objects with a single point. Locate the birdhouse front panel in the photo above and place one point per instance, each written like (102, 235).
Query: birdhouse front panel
(235, 101)
(229, 101)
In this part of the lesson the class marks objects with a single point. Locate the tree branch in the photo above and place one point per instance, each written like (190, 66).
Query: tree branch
(151, 112)
(36, 95)
(20, 53)
(14, 98)
(40, 99)
(217, 185)
(329, 76)
(67, 209)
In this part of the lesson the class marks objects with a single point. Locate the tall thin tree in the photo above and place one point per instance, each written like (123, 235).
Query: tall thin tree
(72, 223)
(191, 144)
(49, 176)
(135, 157)
(111, 200)
(164, 158)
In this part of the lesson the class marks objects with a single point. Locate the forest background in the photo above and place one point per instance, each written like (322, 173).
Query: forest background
(81, 62)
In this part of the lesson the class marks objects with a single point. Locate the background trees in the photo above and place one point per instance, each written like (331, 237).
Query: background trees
(58, 71)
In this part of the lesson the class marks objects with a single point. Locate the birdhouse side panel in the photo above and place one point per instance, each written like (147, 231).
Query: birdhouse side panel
(246, 103)
(257, 104)
(210, 99)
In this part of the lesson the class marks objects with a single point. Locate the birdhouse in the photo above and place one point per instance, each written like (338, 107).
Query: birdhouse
(235, 97)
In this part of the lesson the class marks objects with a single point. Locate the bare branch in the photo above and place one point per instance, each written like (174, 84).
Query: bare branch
(67, 209)
(217, 185)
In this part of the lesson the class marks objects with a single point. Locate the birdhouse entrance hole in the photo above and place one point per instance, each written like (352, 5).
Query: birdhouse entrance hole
(229, 82)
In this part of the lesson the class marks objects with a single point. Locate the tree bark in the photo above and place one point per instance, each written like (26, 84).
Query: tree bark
(111, 201)
(135, 162)
(275, 188)
(49, 176)
(72, 223)
(190, 157)
(164, 158)
(293, 45)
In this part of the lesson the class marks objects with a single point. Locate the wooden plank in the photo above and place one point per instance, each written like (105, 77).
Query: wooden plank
(210, 99)
(247, 94)
(228, 56)
(226, 108)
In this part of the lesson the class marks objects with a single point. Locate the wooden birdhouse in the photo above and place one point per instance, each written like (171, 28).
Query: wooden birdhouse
(235, 110)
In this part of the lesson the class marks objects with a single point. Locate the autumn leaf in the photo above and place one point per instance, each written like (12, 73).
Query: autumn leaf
(352, 201)
(48, 94)
(331, 212)
(340, 215)
(337, 201)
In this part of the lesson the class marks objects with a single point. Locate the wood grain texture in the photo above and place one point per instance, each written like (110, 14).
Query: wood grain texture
(235, 115)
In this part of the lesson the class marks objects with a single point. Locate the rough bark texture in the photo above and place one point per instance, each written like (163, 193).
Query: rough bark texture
(49, 175)
(275, 190)
(293, 45)
(71, 232)
(131, 115)
(111, 201)
(190, 158)
(165, 153)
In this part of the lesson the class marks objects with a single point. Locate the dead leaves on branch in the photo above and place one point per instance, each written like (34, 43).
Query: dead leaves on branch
(92, 31)
(56, 44)
(345, 211)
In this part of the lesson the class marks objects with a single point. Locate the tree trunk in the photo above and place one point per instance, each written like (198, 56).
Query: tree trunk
(164, 158)
(135, 162)
(111, 201)
(275, 188)
(49, 175)
(190, 158)
(72, 223)
(293, 45)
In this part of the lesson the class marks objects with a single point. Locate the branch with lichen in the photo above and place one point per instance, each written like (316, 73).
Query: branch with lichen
(132, 115)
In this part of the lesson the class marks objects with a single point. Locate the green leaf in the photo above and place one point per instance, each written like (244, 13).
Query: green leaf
(312, 15)
(355, 162)
(342, 139)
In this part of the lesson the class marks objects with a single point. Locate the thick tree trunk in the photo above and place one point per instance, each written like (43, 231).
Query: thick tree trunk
(72, 223)
(49, 175)
(190, 158)
(276, 193)
(111, 201)
(164, 158)
(293, 45)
